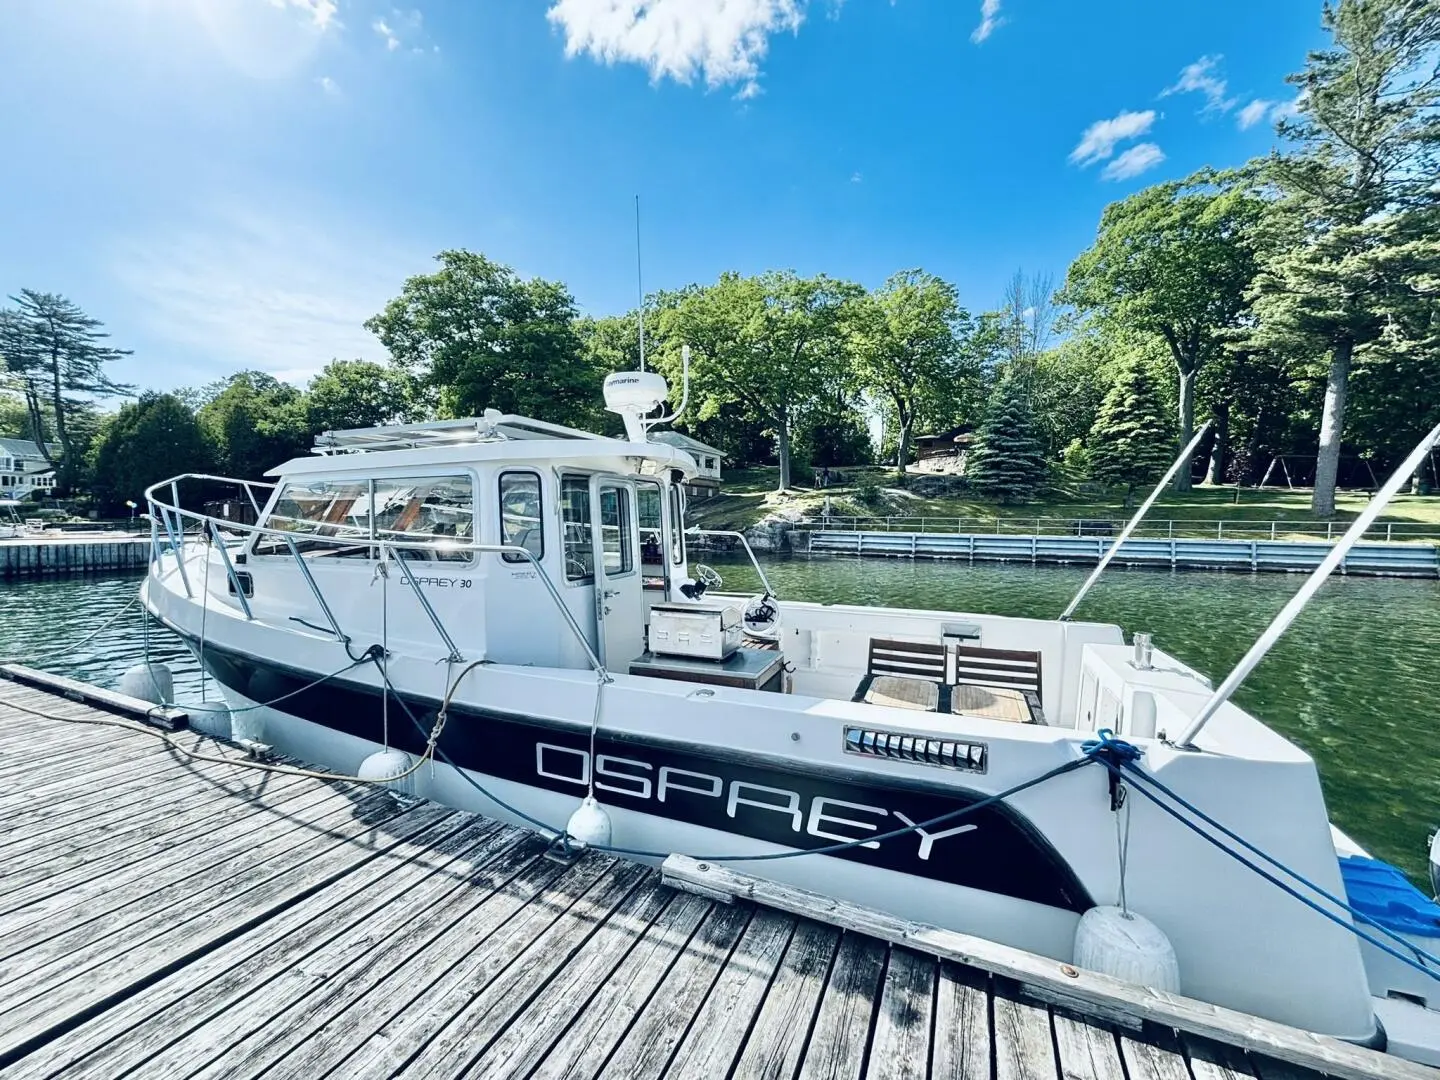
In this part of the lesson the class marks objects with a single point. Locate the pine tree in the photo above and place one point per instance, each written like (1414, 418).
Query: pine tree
(56, 356)
(1007, 463)
(1131, 443)
(1351, 266)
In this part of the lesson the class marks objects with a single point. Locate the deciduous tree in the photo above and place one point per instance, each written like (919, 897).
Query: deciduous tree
(255, 423)
(772, 345)
(905, 341)
(145, 442)
(480, 336)
(359, 393)
(1174, 260)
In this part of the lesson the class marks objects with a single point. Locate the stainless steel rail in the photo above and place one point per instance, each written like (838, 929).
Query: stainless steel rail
(159, 507)
(744, 543)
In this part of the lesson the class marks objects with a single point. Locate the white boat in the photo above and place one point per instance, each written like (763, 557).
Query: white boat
(532, 583)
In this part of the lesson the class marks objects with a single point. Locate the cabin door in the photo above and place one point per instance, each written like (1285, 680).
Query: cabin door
(619, 603)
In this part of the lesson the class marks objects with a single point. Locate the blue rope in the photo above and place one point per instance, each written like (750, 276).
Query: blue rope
(1129, 768)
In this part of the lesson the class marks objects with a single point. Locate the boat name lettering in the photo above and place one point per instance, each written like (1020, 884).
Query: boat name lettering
(444, 582)
(822, 818)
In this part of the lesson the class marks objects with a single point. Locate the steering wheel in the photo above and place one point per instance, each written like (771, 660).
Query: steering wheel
(708, 576)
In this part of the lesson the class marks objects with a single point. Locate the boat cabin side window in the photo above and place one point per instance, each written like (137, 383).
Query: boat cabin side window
(521, 515)
(677, 526)
(652, 526)
(341, 518)
(615, 546)
(575, 528)
(332, 515)
(437, 511)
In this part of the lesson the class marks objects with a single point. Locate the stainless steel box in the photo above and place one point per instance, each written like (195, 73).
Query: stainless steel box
(704, 631)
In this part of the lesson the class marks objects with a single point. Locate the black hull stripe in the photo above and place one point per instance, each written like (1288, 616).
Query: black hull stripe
(796, 805)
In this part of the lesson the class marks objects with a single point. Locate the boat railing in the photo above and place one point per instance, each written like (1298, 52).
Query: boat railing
(172, 517)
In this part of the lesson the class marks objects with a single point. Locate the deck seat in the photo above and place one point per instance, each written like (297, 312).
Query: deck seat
(905, 675)
(1003, 684)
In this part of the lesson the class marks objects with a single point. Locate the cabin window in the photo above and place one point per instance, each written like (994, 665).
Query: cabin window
(616, 547)
(677, 525)
(438, 511)
(521, 519)
(648, 507)
(575, 524)
(340, 518)
(333, 515)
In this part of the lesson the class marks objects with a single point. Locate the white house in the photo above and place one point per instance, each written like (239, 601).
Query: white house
(23, 469)
(707, 482)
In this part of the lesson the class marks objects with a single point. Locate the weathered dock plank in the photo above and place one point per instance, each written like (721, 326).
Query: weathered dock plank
(162, 917)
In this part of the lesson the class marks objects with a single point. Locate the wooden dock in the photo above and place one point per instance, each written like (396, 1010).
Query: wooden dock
(162, 918)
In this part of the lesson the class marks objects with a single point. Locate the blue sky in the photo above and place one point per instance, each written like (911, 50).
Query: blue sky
(240, 183)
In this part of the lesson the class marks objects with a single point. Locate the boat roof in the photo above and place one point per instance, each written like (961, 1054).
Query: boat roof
(494, 437)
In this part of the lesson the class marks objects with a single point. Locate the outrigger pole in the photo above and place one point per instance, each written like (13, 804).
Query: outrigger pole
(1183, 459)
(1287, 615)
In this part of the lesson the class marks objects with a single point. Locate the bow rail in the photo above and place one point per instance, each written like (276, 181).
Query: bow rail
(173, 518)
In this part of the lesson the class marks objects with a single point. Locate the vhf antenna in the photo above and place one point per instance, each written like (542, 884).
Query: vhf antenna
(639, 284)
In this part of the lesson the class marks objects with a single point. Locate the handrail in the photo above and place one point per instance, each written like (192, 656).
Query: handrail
(697, 531)
(288, 536)
(230, 570)
(1183, 459)
(1297, 603)
(455, 657)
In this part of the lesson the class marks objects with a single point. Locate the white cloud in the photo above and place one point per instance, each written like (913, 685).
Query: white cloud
(1286, 109)
(238, 289)
(990, 20)
(856, 178)
(1100, 138)
(319, 13)
(1134, 161)
(722, 41)
(329, 85)
(1253, 113)
(381, 27)
(1203, 76)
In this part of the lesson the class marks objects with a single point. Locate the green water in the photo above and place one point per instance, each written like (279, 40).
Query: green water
(1356, 682)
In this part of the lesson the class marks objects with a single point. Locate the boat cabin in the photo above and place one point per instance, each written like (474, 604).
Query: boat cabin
(602, 518)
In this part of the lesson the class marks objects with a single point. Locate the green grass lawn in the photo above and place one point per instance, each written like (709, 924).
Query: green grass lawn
(749, 495)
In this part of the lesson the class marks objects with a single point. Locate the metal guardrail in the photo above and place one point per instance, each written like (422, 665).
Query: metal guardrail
(172, 516)
(1174, 528)
(1407, 560)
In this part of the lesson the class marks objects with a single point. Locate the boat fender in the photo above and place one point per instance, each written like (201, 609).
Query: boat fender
(1126, 946)
(149, 682)
(589, 824)
(385, 764)
(210, 718)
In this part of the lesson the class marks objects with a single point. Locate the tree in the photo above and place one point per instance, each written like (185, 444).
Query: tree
(356, 394)
(255, 423)
(1007, 463)
(1368, 149)
(905, 340)
(772, 345)
(1174, 260)
(1131, 443)
(56, 357)
(479, 335)
(145, 442)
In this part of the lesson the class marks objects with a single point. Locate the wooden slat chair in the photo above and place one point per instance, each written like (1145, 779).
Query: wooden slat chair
(1013, 670)
(905, 674)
